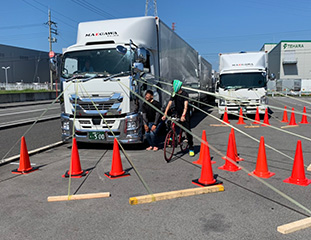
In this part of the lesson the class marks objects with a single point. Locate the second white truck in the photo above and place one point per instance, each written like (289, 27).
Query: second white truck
(242, 82)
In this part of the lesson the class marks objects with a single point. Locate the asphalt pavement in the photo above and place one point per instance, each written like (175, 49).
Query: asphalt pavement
(247, 209)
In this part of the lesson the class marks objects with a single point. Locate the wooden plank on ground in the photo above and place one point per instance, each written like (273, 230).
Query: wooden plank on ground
(309, 168)
(290, 126)
(295, 226)
(175, 194)
(252, 126)
(78, 196)
(218, 125)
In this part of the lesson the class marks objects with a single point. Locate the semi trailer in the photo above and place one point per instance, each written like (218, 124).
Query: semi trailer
(111, 63)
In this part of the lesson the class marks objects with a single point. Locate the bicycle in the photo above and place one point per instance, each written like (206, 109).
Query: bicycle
(173, 139)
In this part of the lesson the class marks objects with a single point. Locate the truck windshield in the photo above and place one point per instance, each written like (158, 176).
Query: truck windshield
(102, 61)
(243, 80)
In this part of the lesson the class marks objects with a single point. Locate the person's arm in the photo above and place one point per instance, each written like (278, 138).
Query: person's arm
(166, 110)
(183, 116)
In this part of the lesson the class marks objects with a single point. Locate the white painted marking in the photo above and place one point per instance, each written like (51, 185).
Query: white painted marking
(32, 152)
(16, 163)
(28, 111)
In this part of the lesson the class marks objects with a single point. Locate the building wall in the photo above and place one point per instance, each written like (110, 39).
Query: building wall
(268, 47)
(299, 51)
(26, 65)
(290, 62)
(274, 63)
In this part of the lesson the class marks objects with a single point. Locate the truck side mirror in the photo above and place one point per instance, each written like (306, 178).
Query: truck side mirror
(272, 76)
(53, 64)
(142, 55)
(217, 86)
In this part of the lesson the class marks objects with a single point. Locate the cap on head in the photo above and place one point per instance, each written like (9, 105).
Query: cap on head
(176, 86)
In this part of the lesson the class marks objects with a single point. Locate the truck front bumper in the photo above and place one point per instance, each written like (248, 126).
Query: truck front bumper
(128, 132)
(246, 108)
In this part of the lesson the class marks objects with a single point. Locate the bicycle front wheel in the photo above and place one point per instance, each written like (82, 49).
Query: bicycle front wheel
(169, 145)
(183, 141)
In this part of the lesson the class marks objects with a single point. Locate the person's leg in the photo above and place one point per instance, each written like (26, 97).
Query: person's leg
(186, 124)
(151, 134)
(148, 137)
(156, 142)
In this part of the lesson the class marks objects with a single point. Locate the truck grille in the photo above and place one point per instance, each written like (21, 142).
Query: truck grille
(103, 106)
(90, 106)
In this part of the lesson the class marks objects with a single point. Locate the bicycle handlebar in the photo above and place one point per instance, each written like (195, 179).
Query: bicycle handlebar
(175, 119)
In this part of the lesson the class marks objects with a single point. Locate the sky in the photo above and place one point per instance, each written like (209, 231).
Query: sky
(210, 27)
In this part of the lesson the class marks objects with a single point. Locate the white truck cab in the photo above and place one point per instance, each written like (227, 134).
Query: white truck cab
(242, 82)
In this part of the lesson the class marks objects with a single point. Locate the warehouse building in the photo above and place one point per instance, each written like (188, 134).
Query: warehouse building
(23, 65)
(290, 62)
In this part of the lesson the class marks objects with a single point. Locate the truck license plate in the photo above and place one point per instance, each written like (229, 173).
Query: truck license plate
(97, 135)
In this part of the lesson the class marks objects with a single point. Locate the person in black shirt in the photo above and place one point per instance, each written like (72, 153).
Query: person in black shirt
(151, 119)
(182, 109)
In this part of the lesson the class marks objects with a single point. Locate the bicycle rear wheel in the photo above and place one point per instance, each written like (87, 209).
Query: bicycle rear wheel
(183, 141)
(169, 145)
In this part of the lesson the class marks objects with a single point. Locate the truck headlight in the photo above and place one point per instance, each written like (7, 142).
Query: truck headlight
(131, 125)
(66, 126)
(222, 102)
(264, 100)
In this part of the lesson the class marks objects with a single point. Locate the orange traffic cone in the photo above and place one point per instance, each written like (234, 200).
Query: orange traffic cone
(207, 177)
(298, 173)
(261, 165)
(116, 165)
(229, 165)
(241, 120)
(204, 151)
(304, 117)
(257, 117)
(292, 118)
(237, 158)
(225, 118)
(285, 119)
(75, 170)
(266, 119)
(24, 162)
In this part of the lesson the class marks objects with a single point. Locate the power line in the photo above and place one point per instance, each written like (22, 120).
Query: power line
(93, 8)
(39, 9)
(22, 26)
(250, 35)
(56, 12)
(18, 36)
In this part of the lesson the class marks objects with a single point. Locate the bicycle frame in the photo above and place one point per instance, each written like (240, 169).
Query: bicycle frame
(173, 140)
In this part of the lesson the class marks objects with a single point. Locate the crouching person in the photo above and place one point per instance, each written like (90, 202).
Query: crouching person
(152, 121)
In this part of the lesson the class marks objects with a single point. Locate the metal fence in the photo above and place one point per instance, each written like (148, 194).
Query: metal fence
(23, 86)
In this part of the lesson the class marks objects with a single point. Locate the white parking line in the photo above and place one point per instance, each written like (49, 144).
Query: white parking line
(29, 111)
(13, 158)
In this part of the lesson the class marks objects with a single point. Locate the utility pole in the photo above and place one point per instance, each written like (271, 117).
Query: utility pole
(6, 76)
(149, 8)
(51, 40)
